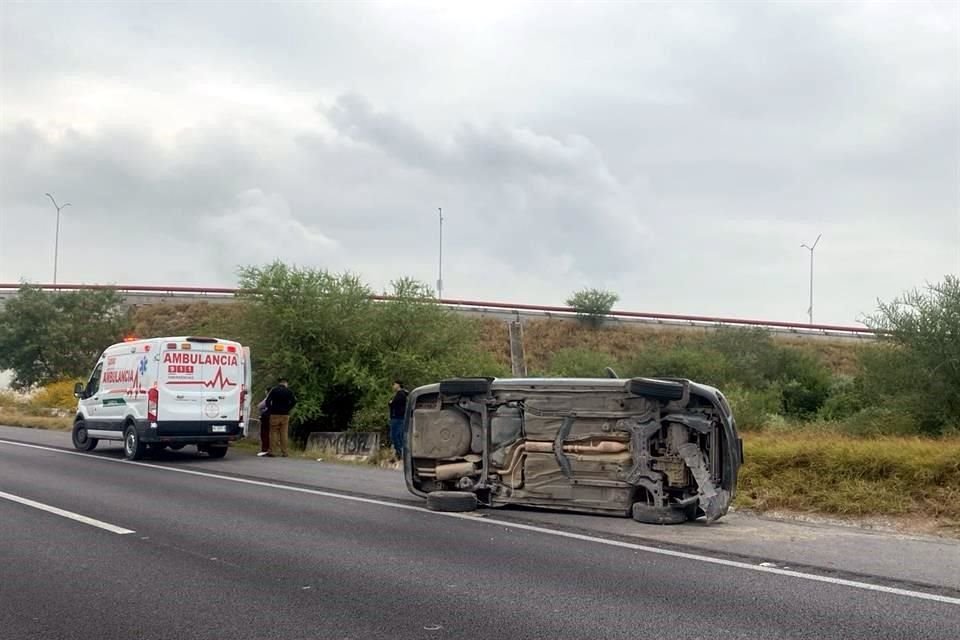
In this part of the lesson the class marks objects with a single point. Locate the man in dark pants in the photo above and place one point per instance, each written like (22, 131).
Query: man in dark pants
(280, 403)
(398, 409)
(264, 427)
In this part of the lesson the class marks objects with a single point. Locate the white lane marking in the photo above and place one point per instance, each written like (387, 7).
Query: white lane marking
(866, 586)
(66, 514)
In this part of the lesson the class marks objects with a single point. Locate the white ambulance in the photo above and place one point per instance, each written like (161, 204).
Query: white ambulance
(166, 392)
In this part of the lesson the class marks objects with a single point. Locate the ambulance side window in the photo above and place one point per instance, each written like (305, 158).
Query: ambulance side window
(93, 385)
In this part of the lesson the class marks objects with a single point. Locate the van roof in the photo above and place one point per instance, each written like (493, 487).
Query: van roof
(194, 339)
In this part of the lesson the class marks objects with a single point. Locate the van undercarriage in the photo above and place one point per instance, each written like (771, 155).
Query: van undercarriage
(662, 451)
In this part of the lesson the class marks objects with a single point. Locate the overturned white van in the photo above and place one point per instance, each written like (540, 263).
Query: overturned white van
(166, 392)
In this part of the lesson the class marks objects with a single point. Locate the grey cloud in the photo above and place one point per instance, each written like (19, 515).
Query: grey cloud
(677, 153)
(543, 200)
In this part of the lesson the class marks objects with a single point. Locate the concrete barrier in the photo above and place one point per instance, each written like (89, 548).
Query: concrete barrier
(253, 430)
(345, 443)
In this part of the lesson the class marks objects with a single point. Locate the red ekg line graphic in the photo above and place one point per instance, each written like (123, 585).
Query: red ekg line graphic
(218, 379)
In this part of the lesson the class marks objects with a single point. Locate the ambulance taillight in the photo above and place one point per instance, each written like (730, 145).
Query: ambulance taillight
(153, 398)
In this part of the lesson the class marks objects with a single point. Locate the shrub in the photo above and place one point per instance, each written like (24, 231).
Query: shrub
(750, 357)
(753, 410)
(593, 305)
(9, 399)
(844, 399)
(679, 361)
(56, 395)
(923, 326)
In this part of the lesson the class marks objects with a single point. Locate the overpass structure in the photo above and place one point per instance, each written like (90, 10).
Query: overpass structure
(136, 295)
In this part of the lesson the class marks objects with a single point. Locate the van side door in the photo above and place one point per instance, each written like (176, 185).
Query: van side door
(90, 401)
(118, 381)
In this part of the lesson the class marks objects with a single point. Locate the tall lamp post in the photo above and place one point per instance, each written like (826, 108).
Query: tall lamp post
(56, 245)
(809, 248)
(440, 274)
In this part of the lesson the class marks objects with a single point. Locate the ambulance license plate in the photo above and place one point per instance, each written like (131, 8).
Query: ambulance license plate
(219, 428)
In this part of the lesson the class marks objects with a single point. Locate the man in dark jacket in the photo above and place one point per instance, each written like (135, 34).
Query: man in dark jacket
(398, 411)
(280, 403)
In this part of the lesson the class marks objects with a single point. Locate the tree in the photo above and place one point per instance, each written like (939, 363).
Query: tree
(921, 330)
(47, 336)
(421, 341)
(341, 349)
(314, 328)
(592, 305)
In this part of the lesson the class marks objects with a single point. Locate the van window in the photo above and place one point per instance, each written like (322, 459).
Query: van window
(93, 384)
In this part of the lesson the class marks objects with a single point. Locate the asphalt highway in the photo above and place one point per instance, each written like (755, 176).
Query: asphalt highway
(95, 547)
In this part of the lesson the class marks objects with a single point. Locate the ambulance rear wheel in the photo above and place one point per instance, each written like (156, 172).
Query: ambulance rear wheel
(133, 447)
(216, 451)
(81, 439)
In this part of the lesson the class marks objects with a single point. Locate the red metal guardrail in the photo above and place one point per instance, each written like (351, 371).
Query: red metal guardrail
(473, 304)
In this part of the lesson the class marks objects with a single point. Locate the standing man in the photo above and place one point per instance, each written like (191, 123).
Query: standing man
(280, 402)
(398, 412)
(264, 426)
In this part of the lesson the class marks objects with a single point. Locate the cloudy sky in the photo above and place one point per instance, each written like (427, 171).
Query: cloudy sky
(678, 153)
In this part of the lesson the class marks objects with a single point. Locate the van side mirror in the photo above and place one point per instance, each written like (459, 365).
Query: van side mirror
(78, 389)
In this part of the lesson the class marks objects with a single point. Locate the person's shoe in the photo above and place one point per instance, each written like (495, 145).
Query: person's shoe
(261, 454)
(283, 455)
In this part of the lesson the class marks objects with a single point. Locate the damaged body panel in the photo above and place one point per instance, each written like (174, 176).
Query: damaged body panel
(654, 449)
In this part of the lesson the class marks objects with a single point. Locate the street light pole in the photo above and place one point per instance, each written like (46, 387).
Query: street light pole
(56, 244)
(804, 246)
(440, 276)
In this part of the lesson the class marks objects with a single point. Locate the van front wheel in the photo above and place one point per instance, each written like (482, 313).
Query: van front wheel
(133, 447)
(81, 439)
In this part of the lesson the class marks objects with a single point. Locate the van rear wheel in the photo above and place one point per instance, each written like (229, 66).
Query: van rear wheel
(133, 447)
(81, 439)
(216, 452)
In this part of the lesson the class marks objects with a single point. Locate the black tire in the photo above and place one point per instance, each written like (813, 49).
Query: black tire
(465, 386)
(451, 501)
(216, 452)
(81, 440)
(133, 446)
(657, 515)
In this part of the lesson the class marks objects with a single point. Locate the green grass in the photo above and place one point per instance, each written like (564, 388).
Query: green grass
(829, 473)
